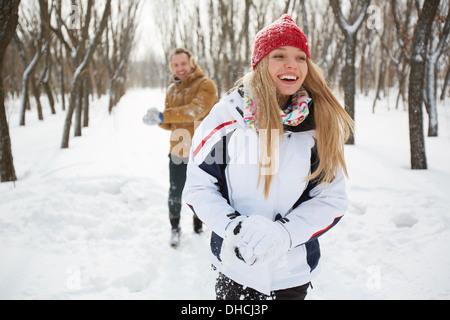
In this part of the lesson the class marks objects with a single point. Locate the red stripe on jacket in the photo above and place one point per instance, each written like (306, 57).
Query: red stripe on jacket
(336, 220)
(200, 146)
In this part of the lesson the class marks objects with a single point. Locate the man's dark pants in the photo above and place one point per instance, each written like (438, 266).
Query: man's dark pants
(177, 172)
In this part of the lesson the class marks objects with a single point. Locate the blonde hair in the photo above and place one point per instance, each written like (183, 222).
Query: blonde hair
(270, 125)
(333, 125)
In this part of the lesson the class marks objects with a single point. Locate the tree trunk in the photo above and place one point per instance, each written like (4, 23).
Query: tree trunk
(37, 97)
(8, 22)
(431, 92)
(74, 88)
(447, 80)
(431, 99)
(349, 77)
(380, 82)
(79, 110)
(46, 81)
(86, 90)
(422, 35)
(25, 85)
(350, 30)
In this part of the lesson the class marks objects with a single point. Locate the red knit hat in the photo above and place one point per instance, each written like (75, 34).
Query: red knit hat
(282, 32)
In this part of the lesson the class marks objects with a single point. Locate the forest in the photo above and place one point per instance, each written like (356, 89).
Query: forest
(69, 52)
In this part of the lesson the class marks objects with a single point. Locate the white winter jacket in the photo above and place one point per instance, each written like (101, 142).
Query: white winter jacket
(221, 184)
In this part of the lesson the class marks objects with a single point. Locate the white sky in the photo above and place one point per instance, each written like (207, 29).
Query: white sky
(148, 34)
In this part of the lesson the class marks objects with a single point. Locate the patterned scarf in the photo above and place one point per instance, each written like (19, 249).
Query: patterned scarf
(293, 115)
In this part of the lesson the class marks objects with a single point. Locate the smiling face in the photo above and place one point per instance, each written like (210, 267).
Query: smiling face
(181, 65)
(287, 69)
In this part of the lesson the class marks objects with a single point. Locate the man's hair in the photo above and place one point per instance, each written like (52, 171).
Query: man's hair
(185, 51)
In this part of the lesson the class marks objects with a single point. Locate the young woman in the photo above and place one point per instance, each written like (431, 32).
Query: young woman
(266, 171)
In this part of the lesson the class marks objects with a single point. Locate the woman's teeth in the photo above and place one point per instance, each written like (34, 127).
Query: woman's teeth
(288, 77)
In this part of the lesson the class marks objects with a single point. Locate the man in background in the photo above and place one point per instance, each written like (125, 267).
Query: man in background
(189, 99)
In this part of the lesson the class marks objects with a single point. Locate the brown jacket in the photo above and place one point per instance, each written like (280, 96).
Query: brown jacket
(187, 101)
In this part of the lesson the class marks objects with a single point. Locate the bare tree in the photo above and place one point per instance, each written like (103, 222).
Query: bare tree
(215, 52)
(229, 66)
(431, 87)
(41, 46)
(8, 22)
(383, 63)
(350, 29)
(327, 44)
(44, 77)
(401, 58)
(120, 35)
(446, 81)
(60, 57)
(76, 81)
(422, 35)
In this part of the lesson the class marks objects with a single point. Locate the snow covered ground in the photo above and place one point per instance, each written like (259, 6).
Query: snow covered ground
(90, 222)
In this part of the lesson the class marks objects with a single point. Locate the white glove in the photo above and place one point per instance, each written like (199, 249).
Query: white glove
(152, 117)
(262, 240)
